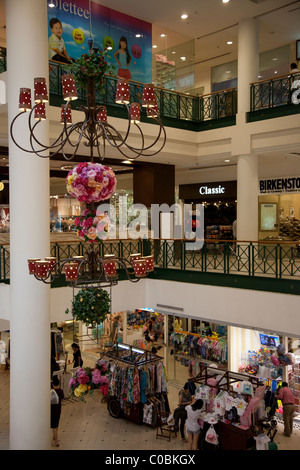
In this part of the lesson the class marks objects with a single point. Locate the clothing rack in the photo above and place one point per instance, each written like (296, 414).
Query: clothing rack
(131, 355)
(225, 378)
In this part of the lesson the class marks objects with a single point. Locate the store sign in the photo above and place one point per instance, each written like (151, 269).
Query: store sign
(206, 190)
(280, 185)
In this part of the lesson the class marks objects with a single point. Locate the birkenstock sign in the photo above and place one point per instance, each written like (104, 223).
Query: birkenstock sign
(280, 185)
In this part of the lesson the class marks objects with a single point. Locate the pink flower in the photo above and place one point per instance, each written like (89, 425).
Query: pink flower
(85, 213)
(77, 221)
(96, 376)
(72, 382)
(88, 222)
(103, 380)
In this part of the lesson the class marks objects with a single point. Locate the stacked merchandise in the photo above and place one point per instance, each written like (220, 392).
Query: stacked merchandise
(262, 364)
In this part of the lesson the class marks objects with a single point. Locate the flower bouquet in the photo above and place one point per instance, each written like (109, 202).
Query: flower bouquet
(87, 380)
(90, 305)
(91, 226)
(95, 64)
(91, 182)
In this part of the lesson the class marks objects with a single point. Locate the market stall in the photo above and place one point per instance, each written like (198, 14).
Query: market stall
(234, 404)
(137, 383)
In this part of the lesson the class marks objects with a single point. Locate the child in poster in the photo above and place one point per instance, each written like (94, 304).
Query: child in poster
(57, 50)
(123, 59)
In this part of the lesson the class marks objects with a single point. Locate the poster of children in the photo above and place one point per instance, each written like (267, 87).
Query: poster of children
(128, 39)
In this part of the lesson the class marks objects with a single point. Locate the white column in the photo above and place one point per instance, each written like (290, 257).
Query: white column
(247, 197)
(248, 60)
(26, 29)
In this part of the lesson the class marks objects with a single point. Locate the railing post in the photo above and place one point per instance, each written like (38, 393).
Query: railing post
(251, 259)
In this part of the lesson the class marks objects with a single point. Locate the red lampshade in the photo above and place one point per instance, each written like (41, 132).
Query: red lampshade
(40, 112)
(102, 114)
(135, 256)
(40, 90)
(135, 113)
(149, 98)
(149, 260)
(66, 114)
(140, 268)
(31, 264)
(71, 272)
(68, 87)
(52, 261)
(153, 112)
(25, 99)
(42, 269)
(122, 95)
(110, 267)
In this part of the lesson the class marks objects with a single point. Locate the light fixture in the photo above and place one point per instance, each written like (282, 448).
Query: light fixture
(163, 35)
(154, 46)
(184, 16)
(94, 128)
(183, 58)
(225, 1)
(229, 42)
(51, 4)
(1, 186)
(91, 269)
(227, 161)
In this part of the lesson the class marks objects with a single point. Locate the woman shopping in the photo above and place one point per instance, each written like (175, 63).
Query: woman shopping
(185, 398)
(192, 425)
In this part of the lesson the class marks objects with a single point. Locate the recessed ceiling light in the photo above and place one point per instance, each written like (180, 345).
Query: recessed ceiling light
(138, 35)
(183, 58)
(275, 71)
(163, 35)
(275, 58)
(227, 161)
(228, 71)
(154, 46)
(225, 1)
(51, 4)
(126, 161)
(173, 52)
(229, 42)
(184, 16)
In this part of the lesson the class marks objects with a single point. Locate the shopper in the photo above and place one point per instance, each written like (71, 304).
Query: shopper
(294, 68)
(77, 359)
(285, 395)
(185, 399)
(193, 428)
(56, 409)
(115, 329)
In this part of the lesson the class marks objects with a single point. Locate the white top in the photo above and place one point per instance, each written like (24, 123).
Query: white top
(192, 424)
(55, 43)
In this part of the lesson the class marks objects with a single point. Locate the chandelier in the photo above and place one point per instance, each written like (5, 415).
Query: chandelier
(94, 129)
(91, 268)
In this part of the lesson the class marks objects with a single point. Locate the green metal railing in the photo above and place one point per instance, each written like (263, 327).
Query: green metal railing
(276, 261)
(272, 92)
(267, 94)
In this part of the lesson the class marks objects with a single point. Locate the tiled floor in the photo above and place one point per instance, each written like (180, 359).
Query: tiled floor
(89, 426)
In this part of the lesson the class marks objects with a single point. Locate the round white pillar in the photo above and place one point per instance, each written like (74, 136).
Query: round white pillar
(27, 57)
(247, 198)
(248, 60)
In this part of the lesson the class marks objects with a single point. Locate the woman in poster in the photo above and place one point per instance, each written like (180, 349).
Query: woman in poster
(123, 59)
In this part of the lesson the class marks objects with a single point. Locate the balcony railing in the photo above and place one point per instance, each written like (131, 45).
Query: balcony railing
(273, 92)
(266, 94)
(268, 259)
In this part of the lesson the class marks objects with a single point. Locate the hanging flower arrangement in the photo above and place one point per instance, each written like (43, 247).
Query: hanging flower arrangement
(91, 182)
(91, 227)
(95, 64)
(87, 380)
(90, 306)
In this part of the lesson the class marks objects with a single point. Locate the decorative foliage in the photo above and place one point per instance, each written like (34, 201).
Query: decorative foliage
(91, 182)
(94, 64)
(90, 226)
(90, 305)
(87, 380)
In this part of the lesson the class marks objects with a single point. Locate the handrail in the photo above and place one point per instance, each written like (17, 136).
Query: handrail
(275, 78)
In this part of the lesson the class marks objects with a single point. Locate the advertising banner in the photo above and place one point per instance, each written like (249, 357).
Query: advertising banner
(128, 39)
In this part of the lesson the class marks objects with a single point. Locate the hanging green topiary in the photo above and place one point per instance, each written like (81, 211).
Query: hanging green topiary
(91, 305)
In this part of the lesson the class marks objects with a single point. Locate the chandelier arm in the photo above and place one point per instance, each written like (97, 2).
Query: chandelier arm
(122, 262)
(108, 135)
